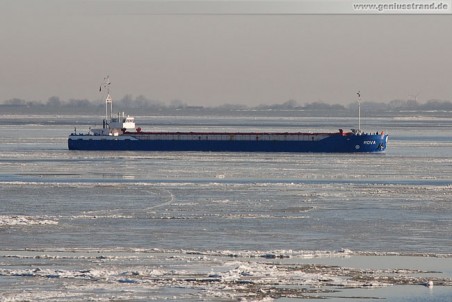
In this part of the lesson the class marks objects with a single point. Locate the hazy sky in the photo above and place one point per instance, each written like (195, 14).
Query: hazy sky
(65, 48)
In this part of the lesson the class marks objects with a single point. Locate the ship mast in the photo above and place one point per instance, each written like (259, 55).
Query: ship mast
(108, 100)
(359, 110)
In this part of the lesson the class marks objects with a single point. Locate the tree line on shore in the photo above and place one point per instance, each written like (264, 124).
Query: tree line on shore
(142, 104)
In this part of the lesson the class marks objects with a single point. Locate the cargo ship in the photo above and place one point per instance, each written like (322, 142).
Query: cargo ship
(120, 133)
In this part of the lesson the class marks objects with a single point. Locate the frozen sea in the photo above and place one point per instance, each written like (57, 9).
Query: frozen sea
(189, 226)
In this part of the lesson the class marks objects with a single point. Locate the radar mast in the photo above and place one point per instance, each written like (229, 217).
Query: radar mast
(359, 110)
(108, 101)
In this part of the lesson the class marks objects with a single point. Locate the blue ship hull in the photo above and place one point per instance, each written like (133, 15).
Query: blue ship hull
(349, 143)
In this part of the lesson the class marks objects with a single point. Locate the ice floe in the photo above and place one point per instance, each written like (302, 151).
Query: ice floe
(19, 220)
(202, 275)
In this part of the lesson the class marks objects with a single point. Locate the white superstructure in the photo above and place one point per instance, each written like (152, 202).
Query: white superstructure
(113, 125)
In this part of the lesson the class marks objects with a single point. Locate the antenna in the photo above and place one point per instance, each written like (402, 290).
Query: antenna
(359, 110)
(106, 84)
(108, 100)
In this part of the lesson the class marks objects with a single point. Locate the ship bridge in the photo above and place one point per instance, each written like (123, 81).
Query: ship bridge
(122, 122)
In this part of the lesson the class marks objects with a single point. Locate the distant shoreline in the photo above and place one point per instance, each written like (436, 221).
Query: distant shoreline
(220, 111)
